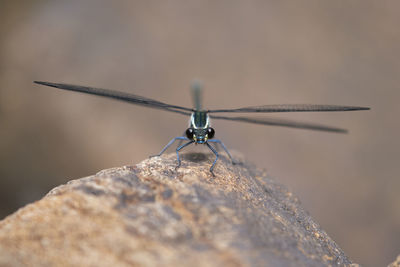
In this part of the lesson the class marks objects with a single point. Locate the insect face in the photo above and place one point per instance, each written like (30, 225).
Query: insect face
(200, 136)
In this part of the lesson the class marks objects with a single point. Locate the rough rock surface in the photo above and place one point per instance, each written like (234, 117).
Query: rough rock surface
(396, 263)
(153, 215)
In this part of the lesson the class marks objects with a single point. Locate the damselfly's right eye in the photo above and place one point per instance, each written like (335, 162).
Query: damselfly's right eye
(189, 133)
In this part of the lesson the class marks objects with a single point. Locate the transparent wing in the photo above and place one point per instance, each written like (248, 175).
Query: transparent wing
(283, 122)
(122, 96)
(290, 108)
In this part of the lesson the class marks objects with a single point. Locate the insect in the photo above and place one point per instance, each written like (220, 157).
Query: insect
(200, 130)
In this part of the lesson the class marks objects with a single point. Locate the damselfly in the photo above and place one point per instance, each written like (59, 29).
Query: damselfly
(200, 130)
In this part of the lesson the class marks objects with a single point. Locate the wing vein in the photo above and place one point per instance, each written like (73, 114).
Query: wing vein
(122, 96)
(290, 108)
(284, 123)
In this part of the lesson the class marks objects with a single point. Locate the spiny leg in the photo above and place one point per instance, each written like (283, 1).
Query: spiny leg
(181, 140)
(169, 144)
(177, 152)
(216, 157)
(224, 147)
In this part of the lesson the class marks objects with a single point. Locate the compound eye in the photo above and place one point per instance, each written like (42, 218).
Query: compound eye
(189, 133)
(210, 132)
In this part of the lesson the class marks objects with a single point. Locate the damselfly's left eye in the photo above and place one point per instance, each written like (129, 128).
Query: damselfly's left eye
(210, 132)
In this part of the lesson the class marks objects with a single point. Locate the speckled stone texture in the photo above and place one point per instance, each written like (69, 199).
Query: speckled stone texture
(396, 263)
(153, 215)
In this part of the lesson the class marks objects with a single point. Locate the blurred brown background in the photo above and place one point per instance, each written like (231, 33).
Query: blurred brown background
(246, 53)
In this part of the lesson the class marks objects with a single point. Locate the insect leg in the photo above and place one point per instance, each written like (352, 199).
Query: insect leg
(224, 147)
(177, 152)
(169, 144)
(181, 140)
(216, 158)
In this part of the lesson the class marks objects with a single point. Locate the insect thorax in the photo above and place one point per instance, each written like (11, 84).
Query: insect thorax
(199, 120)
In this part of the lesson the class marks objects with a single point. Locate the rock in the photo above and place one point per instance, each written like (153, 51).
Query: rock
(396, 263)
(153, 215)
